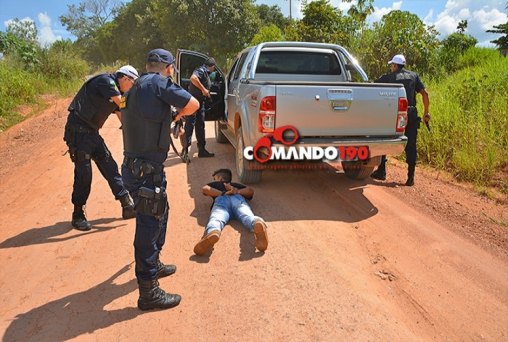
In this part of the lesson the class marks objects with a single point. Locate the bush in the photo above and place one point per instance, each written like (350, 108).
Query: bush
(470, 119)
(57, 69)
(17, 87)
(60, 62)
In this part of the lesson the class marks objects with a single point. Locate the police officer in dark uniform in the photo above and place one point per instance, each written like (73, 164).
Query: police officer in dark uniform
(146, 118)
(94, 102)
(413, 86)
(200, 89)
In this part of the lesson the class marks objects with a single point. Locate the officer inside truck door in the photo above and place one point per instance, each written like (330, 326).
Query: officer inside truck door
(199, 87)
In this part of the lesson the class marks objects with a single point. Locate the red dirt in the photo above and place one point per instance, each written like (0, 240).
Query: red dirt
(347, 260)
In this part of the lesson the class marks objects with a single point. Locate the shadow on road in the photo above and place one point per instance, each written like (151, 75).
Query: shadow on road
(49, 234)
(74, 315)
(283, 195)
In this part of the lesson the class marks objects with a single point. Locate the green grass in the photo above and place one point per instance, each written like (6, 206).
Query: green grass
(470, 120)
(18, 86)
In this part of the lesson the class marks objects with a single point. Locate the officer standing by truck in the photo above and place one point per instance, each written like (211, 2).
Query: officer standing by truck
(146, 115)
(413, 86)
(200, 89)
(94, 102)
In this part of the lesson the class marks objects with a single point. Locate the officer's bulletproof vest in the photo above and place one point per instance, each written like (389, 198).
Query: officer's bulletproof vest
(407, 78)
(145, 118)
(90, 106)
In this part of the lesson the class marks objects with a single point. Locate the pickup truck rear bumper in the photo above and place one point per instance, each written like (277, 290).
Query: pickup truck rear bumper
(377, 146)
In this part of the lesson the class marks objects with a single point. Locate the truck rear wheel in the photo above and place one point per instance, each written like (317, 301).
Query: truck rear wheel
(360, 169)
(243, 166)
(219, 136)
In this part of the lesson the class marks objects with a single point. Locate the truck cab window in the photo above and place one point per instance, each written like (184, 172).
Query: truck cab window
(298, 62)
(240, 65)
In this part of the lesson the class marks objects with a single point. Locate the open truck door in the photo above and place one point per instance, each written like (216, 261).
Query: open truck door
(186, 62)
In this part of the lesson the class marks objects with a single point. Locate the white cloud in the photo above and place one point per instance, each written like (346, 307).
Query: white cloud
(380, 12)
(46, 34)
(428, 17)
(487, 19)
(480, 16)
(44, 19)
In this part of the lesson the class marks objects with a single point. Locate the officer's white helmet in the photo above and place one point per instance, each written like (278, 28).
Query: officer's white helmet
(129, 70)
(398, 59)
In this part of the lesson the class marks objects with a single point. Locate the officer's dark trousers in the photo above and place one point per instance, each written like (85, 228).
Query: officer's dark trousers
(411, 133)
(150, 231)
(196, 120)
(91, 146)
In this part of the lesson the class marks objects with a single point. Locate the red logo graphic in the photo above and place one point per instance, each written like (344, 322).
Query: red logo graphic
(288, 135)
(263, 148)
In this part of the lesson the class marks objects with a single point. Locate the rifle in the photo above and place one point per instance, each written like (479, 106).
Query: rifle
(177, 131)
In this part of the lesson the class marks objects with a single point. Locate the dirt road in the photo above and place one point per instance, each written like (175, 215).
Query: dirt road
(347, 260)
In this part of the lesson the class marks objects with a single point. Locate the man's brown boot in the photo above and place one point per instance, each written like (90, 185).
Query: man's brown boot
(260, 234)
(206, 243)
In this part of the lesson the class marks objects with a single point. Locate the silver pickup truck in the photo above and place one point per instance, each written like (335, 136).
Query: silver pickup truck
(303, 96)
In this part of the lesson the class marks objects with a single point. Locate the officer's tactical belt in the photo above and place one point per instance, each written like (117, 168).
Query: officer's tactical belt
(140, 167)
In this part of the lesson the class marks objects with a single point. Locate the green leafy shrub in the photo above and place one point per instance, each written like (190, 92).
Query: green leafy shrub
(470, 119)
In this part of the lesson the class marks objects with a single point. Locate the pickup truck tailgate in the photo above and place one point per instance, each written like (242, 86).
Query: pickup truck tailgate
(358, 110)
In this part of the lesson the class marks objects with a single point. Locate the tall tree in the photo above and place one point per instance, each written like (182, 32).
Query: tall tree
(400, 32)
(272, 15)
(132, 33)
(20, 41)
(462, 26)
(322, 22)
(23, 29)
(86, 18)
(219, 28)
(270, 33)
(361, 10)
(501, 42)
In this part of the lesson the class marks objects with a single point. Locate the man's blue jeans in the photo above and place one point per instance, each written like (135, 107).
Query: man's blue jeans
(228, 207)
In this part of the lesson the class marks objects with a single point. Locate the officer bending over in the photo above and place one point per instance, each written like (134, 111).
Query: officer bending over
(146, 118)
(94, 102)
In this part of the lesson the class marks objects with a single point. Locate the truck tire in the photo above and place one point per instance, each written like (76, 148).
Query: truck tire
(219, 136)
(245, 174)
(360, 169)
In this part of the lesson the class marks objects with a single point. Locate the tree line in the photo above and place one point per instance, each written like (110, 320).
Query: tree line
(111, 33)
(221, 28)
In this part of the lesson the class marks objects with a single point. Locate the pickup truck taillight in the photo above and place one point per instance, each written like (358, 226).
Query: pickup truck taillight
(266, 122)
(401, 115)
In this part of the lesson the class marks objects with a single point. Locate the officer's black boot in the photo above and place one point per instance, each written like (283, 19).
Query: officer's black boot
(380, 173)
(410, 175)
(151, 296)
(203, 153)
(79, 220)
(164, 270)
(185, 155)
(127, 207)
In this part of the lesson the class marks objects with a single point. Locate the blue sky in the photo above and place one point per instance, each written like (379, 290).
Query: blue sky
(444, 14)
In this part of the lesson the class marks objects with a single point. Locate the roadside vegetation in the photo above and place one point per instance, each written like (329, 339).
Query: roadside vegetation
(28, 70)
(467, 85)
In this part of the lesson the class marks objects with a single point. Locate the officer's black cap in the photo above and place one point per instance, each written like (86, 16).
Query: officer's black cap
(210, 62)
(161, 55)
